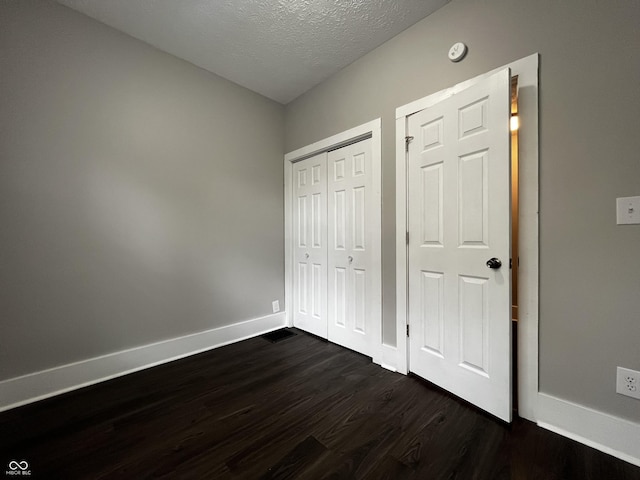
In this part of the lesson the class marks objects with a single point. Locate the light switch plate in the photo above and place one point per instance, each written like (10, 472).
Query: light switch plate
(628, 211)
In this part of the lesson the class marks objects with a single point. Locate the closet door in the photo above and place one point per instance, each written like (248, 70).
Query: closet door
(310, 245)
(350, 260)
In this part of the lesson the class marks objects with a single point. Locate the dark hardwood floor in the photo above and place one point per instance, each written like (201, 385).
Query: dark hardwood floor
(300, 409)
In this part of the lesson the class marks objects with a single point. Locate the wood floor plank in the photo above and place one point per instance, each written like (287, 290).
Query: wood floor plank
(299, 409)
(390, 468)
(303, 455)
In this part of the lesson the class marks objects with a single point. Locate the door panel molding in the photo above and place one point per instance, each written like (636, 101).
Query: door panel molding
(527, 71)
(371, 130)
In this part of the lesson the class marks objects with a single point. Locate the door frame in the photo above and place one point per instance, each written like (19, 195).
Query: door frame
(371, 130)
(528, 283)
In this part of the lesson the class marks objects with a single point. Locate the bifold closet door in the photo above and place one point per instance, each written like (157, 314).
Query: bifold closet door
(310, 245)
(350, 260)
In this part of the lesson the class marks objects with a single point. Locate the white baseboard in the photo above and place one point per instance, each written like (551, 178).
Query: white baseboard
(18, 391)
(604, 432)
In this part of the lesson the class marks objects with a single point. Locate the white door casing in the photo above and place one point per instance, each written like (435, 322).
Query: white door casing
(458, 219)
(310, 245)
(350, 238)
(527, 71)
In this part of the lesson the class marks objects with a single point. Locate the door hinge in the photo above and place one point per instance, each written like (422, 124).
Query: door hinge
(407, 141)
(407, 237)
(407, 330)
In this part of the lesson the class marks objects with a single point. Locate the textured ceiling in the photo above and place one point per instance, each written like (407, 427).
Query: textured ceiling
(279, 48)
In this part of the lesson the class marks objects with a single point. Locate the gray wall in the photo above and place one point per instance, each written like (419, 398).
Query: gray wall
(140, 196)
(589, 144)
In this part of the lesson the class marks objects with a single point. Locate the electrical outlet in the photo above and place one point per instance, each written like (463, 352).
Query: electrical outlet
(276, 306)
(628, 382)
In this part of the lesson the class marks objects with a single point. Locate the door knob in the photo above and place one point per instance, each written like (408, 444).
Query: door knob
(350, 258)
(306, 255)
(494, 263)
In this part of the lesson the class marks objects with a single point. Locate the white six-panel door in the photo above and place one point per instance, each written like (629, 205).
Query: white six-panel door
(350, 237)
(310, 245)
(458, 219)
